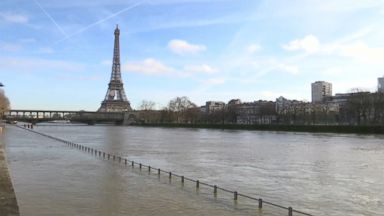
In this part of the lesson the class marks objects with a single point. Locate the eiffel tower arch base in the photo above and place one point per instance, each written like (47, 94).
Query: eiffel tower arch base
(114, 106)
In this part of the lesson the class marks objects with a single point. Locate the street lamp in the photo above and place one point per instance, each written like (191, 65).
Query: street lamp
(1, 84)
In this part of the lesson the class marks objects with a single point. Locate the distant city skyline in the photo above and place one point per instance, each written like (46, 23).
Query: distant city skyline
(58, 55)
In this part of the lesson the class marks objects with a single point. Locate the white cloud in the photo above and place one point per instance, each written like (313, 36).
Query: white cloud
(11, 47)
(148, 66)
(203, 68)
(292, 69)
(214, 81)
(182, 47)
(357, 35)
(309, 44)
(333, 71)
(13, 18)
(253, 48)
(152, 66)
(347, 47)
(359, 50)
(38, 65)
(349, 5)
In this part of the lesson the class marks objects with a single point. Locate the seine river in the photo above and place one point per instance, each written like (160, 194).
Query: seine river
(321, 174)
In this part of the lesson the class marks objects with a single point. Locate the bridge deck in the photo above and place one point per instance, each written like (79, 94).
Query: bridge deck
(89, 117)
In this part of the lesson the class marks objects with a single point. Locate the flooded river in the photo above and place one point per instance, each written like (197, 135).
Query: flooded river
(321, 174)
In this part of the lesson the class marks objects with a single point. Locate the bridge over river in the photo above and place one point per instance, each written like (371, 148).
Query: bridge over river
(88, 117)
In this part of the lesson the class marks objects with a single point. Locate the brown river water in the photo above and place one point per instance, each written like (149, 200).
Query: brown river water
(320, 174)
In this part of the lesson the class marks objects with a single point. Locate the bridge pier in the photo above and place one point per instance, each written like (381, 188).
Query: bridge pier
(129, 118)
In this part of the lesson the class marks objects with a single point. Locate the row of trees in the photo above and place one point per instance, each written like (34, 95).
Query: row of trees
(361, 108)
(305, 113)
(364, 108)
(178, 110)
(182, 110)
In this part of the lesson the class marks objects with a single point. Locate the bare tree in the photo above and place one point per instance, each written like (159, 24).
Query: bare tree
(359, 107)
(4, 104)
(179, 106)
(166, 116)
(147, 113)
(192, 115)
(267, 111)
(379, 108)
(147, 105)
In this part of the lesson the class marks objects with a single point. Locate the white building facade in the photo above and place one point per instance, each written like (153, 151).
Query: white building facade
(320, 90)
(213, 106)
(380, 84)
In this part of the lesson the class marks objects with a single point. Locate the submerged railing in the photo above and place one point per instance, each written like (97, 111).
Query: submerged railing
(159, 171)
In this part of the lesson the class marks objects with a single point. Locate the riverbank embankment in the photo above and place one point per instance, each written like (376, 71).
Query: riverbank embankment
(355, 129)
(8, 202)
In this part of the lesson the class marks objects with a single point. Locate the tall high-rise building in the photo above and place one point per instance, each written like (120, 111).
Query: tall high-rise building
(320, 89)
(115, 99)
(380, 84)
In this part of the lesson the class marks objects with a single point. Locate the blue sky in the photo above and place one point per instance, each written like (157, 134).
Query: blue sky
(57, 54)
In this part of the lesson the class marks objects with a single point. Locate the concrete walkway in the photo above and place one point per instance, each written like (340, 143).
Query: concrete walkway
(8, 202)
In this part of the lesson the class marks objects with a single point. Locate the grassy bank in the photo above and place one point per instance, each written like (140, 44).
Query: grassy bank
(292, 128)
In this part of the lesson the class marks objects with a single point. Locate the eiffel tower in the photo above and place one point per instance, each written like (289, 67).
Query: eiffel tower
(115, 99)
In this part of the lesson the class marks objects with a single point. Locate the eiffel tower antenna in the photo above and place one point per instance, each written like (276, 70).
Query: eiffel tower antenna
(115, 100)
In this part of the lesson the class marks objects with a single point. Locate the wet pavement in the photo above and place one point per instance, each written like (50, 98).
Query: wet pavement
(8, 202)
